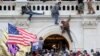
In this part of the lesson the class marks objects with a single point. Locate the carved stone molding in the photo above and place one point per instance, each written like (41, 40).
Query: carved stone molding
(89, 24)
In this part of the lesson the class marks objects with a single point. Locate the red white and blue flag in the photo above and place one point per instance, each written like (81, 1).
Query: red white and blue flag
(20, 36)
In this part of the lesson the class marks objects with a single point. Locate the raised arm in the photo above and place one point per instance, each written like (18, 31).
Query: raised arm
(69, 18)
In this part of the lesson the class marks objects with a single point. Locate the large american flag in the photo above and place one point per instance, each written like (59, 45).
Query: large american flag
(18, 35)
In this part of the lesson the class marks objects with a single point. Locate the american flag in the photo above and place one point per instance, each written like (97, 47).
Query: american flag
(18, 35)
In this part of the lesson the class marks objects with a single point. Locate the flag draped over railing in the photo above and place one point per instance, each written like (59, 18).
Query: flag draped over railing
(18, 35)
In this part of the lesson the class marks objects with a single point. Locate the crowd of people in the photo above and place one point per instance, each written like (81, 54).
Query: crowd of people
(52, 52)
(65, 28)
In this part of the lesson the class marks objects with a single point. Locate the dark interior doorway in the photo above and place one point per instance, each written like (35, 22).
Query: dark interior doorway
(55, 40)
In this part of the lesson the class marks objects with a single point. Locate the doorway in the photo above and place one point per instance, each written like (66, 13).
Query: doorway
(55, 40)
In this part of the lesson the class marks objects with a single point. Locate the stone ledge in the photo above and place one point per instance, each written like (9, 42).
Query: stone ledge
(90, 15)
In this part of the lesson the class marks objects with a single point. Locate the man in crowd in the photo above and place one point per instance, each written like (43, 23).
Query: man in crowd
(40, 47)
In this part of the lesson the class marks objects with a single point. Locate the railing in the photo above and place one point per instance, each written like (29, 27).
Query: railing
(67, 7)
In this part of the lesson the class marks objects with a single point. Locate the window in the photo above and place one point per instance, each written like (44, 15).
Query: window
(4, 7)
(46, 7)
(42, 7)
(63, 7)
(9, 8)
(76, 7)
(72, 7)
(33, 7)
(97, 7)
(38, 7)
(0, 7)
(68, 8)
(13, 7)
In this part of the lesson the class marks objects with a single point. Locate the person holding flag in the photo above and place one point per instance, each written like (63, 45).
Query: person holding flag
(37, 46)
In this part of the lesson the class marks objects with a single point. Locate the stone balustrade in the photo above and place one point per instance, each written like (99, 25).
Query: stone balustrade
(12, 12)
(67, 7)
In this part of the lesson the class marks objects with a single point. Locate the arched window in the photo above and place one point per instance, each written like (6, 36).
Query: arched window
(0, 7)
(97, 7)
(68, 8)
(4, 7)
(63, 7)
(13, 7)
(9, 8)
(72, 7)
(46, 7)
(42, 7)
(34, 8)
(76, 7)
(38, 7)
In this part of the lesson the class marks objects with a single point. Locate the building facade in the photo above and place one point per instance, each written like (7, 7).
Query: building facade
(85, 28)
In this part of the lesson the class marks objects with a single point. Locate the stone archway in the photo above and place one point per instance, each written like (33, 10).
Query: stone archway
(56, 40)
(52, 30)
